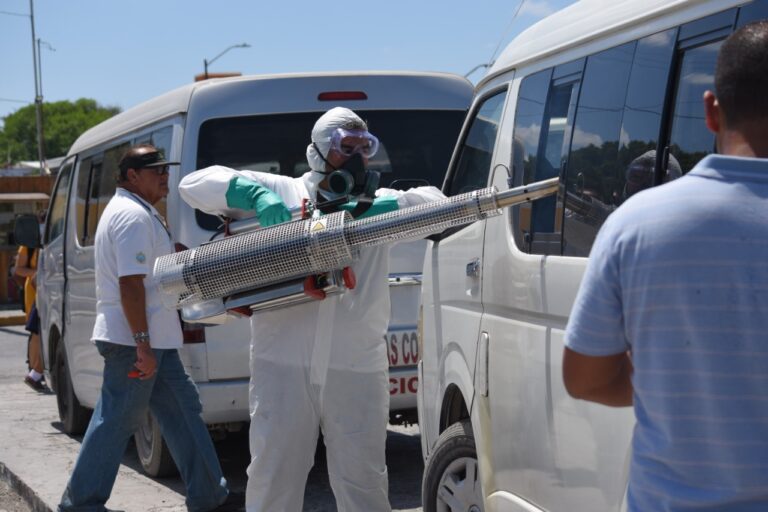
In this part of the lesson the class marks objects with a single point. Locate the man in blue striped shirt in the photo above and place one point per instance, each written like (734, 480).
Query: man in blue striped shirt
(672, 314)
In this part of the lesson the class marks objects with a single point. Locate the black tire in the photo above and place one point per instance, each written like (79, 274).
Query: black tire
(153, 453)
(451, 475)
(74, 417)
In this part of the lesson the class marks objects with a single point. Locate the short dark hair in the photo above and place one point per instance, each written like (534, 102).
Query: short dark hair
(741, 75)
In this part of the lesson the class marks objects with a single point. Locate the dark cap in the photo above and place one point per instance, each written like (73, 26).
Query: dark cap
(139, 157)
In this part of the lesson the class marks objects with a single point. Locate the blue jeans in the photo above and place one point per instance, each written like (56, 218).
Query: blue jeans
(173, 399)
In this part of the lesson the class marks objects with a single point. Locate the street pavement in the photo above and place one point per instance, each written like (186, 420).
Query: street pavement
(36, 457)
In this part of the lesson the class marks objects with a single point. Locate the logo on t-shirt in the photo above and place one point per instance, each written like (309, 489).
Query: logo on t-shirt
(140, 257)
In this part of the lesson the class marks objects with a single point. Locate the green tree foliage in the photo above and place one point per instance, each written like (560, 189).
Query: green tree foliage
(63, 122)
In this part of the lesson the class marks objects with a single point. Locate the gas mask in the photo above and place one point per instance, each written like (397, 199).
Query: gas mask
(353, 179)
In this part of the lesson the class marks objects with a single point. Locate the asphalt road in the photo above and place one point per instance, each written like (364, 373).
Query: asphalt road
(403, 451)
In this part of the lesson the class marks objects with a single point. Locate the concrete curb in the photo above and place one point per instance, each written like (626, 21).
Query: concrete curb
(37, 458)
(12, 317)
(33, 500)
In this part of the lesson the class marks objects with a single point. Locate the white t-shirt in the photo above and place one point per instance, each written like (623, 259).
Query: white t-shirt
(130, 236)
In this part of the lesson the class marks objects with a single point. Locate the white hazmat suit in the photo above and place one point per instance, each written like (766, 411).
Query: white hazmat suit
(321, 363)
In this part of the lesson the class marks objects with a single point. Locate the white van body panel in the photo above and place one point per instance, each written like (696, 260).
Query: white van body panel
(589, 25)
(220, 365)
(537, 448)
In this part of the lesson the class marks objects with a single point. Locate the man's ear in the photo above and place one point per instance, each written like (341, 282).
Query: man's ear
(712, 113)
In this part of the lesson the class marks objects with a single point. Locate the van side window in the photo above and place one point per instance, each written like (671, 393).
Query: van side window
(161, 139)
(643, 111)
(690, 140)
(531, 99)
(474, 162)
(58, 210)
(540, 224)
(96, 184)
(757, 10)
(84, 176)
(595, 176)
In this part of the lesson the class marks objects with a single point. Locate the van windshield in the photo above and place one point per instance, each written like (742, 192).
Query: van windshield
(415, 144)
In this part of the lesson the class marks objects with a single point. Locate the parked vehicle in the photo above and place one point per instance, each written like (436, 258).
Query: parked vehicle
(579, 95)
(260, 123)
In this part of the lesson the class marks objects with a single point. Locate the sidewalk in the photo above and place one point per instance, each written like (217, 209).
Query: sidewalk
(36, 458)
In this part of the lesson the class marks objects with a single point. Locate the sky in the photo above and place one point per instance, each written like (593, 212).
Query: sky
(121, 53)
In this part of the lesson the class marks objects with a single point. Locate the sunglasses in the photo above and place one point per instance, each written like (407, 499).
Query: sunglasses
(160, 170)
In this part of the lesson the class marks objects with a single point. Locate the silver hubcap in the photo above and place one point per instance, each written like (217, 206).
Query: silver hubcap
(146, 434)
(459, 489)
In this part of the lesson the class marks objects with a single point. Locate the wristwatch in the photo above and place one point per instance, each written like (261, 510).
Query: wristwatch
(141, 337)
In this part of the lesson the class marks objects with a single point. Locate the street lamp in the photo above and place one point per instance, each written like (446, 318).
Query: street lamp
(207, 62)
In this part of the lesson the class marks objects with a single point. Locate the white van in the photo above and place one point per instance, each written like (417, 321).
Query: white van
(579, 95)
(260, 123)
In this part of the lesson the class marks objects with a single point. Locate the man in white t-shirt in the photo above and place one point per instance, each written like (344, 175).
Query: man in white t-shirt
(139, 340)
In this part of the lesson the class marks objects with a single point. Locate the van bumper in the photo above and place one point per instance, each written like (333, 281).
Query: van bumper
(224, 401)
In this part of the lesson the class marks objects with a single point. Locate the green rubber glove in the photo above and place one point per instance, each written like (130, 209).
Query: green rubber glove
(249, 195)
(380, 205)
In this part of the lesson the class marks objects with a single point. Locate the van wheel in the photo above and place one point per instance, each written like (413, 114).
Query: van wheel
(153, 453)
(74, 416)
(451, 476)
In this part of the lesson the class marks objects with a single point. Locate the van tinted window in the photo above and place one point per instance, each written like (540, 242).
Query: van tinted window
(58, 208)
(594, 177)
(690, 140)
(619, 123)
(81, 199)
(757, 10)
(414, 145)
(641, 126)
(474, 163)
(541, 229)
(96, 182)
(161, 139)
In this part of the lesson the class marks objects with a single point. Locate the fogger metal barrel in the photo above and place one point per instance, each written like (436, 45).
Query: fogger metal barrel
(292, 250)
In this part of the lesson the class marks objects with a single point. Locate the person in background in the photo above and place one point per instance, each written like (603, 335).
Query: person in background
(26, 267)
(139, 340)
(671, 313)
(319, 364)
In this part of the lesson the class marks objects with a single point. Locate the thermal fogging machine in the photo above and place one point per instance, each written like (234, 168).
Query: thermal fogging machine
(260, 268)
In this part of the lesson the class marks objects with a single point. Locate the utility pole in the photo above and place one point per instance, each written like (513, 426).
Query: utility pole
(38, 93)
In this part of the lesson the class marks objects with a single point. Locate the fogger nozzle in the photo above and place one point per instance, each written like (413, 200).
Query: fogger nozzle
(300, 248)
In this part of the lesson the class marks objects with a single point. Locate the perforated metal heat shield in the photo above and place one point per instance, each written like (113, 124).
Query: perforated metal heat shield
(304, 247)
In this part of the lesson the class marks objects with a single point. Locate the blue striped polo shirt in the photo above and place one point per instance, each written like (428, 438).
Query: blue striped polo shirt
(679, 276)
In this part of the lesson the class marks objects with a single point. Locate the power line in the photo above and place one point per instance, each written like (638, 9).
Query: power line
(506, 31)
(15, 101)
(14, 14)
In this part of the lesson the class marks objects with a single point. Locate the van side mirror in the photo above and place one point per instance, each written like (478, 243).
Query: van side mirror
(26, 231)
(405, 184)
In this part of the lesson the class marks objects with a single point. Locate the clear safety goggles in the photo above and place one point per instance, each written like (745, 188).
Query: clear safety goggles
(349, 142)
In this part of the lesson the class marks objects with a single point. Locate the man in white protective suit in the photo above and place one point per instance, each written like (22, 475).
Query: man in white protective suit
(321, 363)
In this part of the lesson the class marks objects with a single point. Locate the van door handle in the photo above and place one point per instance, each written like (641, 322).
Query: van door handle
(473, 268)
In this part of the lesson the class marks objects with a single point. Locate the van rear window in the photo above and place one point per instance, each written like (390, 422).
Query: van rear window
(415, 144)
